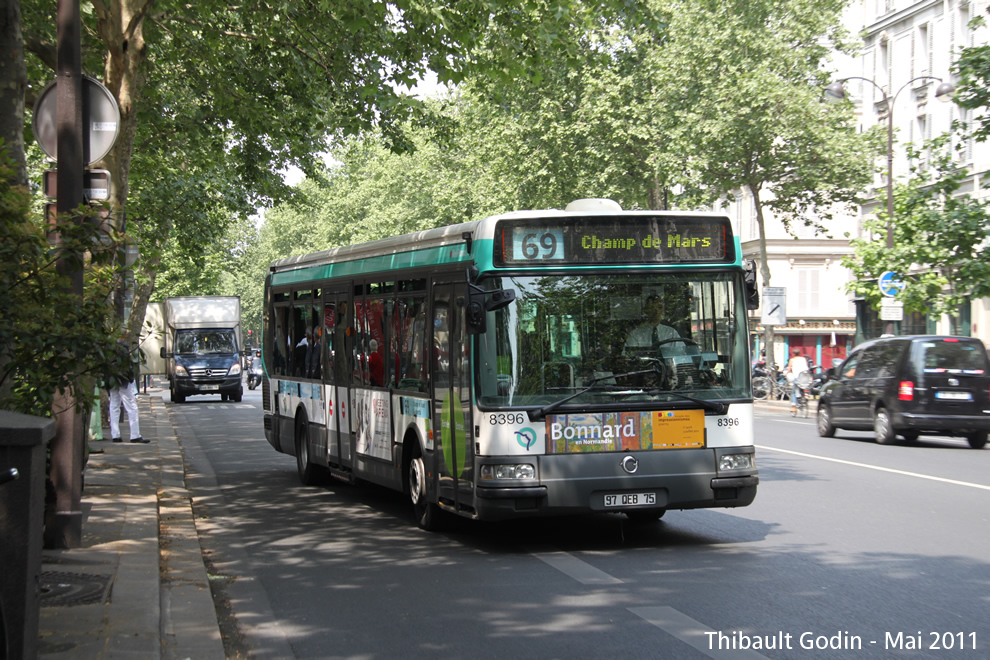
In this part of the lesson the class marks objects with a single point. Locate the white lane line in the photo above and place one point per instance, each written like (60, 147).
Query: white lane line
(570, 565)
(692, 632)
(876, 467)
(668, 619)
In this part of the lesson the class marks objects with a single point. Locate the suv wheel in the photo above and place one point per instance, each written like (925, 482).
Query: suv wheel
(977, 439)
(883, 431)
(825, 427)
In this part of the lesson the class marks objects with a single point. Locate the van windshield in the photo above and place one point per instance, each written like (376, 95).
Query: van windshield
(205, 342)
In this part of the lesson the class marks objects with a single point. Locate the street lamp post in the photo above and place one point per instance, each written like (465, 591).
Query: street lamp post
(836, 92)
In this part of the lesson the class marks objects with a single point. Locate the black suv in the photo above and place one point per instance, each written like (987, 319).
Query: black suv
(931, 384)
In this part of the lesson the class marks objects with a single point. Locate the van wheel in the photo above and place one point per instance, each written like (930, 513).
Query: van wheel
(307, 471)
(428, 515)
(825, 427)
(237, 396)
(176, 397)
(883, 431)
(977, 440)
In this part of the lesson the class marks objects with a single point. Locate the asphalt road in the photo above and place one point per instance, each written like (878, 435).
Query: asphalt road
(851, 550)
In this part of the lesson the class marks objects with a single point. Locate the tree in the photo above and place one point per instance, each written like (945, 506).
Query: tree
(972, 71)
(41, 321)
(740, 89)
(232, 93)
(941, 238)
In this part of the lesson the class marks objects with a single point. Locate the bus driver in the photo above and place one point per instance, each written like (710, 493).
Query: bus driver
(651, 332)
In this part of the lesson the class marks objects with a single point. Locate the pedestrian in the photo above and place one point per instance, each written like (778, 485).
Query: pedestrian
(122, 388)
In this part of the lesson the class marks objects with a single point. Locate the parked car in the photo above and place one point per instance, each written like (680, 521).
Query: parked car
(910, 386)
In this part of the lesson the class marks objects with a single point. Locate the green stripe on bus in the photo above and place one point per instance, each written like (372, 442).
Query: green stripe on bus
(449, 254)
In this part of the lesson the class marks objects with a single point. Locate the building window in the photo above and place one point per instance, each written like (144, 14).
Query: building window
(807, 301)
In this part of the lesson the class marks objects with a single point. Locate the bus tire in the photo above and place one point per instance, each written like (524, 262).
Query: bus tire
(307, 471)
(428, 515)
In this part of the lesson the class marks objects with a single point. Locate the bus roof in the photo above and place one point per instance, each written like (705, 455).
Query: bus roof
(461, 234)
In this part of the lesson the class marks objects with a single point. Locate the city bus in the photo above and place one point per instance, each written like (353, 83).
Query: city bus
(485, 369)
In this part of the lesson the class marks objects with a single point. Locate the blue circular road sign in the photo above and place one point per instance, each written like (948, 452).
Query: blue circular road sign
(890, 284)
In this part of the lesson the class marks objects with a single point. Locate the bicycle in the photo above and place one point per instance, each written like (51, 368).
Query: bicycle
(802, 395)
(772, 386)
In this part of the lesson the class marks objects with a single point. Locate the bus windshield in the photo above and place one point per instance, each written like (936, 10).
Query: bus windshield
(616, 339)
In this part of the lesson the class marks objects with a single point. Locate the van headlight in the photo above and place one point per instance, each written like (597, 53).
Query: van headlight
(736, 462)
(181, 372)
(520, 471)
(235, 370)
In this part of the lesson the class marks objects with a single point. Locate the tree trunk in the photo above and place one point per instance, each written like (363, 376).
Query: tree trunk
(121, 28)
(13, 85)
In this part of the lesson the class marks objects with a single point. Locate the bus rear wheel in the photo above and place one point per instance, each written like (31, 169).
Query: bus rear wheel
(307, 471)
(428, 515)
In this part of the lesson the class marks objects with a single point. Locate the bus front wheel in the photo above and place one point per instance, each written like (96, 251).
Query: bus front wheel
(427, 513)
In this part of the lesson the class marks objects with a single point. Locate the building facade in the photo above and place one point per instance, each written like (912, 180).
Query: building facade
(908, 48)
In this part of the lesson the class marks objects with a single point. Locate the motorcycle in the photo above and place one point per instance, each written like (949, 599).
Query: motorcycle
(254, 374)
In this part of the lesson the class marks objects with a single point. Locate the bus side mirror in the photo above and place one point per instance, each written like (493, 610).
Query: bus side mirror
(161, 352)
(749, 280)
(480, 302)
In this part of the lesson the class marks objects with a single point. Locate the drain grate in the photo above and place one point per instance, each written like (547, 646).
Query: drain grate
(60, 589)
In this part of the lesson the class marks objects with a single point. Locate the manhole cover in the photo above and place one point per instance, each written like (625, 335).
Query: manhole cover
(59, 589)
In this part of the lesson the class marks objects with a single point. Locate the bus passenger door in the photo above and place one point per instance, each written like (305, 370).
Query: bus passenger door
(338, 320)
(453, 456)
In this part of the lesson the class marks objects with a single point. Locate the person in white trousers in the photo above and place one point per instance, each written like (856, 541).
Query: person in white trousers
(126, 394)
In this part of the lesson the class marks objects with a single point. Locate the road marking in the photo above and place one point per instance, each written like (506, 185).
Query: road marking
(876, 467)
(690, 632)
(576, 568)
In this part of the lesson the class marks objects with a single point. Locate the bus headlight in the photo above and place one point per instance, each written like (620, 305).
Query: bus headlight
(519, 471)
(736, 462)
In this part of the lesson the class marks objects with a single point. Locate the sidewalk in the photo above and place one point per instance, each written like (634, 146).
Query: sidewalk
(137, 586)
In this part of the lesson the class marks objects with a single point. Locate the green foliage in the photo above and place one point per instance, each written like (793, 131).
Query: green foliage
(941, 237)
(52, 338)
(972, 71)
(740, 93)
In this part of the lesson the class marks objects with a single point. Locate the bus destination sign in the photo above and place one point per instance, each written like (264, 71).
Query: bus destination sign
(648, 240)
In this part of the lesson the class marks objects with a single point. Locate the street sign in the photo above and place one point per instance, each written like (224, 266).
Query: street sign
(101, 120)
(891, 310)
(774, 305)
(96, 185)
(890, 284)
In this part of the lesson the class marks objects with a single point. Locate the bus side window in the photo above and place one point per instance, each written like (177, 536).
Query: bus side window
(329, 321)
(340, 347)
(412, 344)
(280, 362)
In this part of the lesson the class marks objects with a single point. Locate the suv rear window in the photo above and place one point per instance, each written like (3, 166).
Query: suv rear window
(953, 356)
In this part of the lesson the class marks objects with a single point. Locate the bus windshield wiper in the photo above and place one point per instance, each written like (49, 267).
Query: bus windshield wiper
(541, 413)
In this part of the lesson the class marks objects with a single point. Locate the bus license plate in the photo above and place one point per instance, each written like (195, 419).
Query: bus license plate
(631, 499)
(209, 388)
